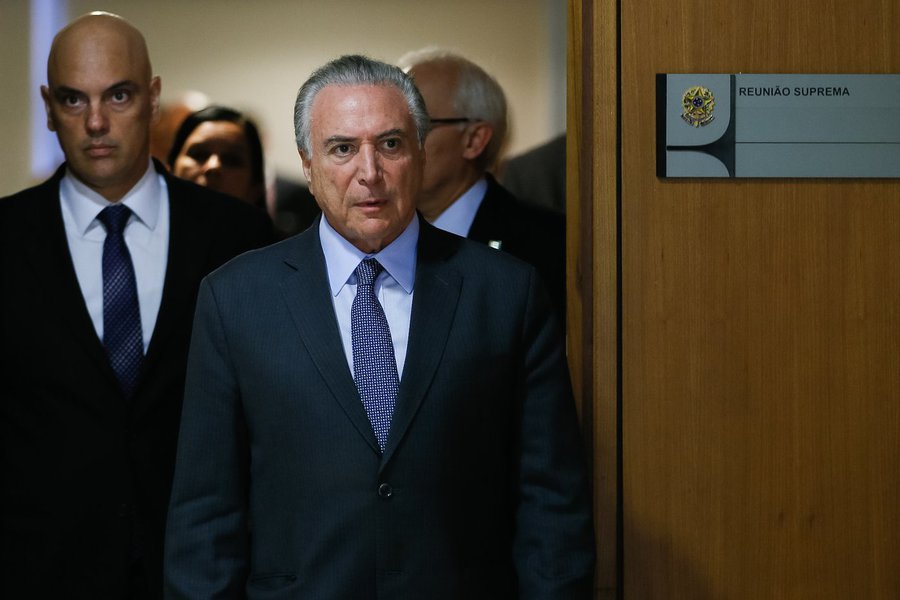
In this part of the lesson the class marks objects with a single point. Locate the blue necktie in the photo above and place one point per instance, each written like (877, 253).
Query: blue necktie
(374, 367)
(121, 315)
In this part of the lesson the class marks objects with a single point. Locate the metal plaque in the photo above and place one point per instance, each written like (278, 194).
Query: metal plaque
(715, 125)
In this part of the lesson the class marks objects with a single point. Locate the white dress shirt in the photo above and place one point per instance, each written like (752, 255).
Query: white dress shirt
(146, 235)
(458, 217)
(393, 286)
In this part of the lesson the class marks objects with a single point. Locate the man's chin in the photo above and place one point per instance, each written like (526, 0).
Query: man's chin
(372, 238)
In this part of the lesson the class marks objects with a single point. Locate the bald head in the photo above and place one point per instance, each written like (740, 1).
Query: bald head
(101, 99)
(92, 39)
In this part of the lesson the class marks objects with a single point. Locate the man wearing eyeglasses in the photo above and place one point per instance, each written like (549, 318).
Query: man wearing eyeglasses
(468, 128)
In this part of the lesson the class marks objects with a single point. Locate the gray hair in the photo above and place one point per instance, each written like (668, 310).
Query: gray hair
(477, 95)
(350, 70)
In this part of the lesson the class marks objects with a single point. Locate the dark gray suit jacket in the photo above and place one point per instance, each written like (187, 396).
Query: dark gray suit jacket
(85, 473)
(539, 175)
(280, 489)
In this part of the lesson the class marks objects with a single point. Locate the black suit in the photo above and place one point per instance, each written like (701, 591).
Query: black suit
(281, 491)
(534, 234)
(86, 473)
(295, 207)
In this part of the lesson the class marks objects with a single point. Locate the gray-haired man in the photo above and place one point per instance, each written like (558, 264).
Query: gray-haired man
(376, 408)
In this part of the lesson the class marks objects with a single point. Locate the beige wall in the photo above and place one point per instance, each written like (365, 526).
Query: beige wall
(254, 55)
(15, 114)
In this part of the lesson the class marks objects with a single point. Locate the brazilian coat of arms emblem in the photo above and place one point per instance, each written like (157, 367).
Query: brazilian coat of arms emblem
(697, 105)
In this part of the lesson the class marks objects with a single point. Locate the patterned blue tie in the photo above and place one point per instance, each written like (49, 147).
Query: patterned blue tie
(121, 315)
(374, 367)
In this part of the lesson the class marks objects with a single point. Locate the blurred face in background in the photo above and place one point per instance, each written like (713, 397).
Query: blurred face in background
(452, 148)
(217, 155)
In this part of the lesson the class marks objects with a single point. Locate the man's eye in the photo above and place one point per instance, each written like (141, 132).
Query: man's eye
(120, 96)
(71, 101)
(391, 144)
(342, 149)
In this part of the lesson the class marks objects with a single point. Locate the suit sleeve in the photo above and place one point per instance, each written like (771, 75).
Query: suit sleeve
(206, 553)
(554, 541)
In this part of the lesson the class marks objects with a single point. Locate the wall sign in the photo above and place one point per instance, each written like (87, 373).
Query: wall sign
(717, 125)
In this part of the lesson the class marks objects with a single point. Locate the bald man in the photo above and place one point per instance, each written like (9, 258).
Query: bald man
(99, 268)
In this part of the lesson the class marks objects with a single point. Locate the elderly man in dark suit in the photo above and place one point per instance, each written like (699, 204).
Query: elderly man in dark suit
(376, 408)
(100, 268)
(468, 129)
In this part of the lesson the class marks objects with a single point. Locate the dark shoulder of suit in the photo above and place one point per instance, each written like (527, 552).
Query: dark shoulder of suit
(233, 226)
(295, 207)
(538, 176)
(531, 233)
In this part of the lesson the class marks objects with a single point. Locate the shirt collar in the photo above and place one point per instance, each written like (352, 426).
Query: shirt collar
(458, 217)
(85, 204)
(341, 257)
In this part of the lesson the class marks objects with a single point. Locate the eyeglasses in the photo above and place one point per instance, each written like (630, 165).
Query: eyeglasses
(452, 121)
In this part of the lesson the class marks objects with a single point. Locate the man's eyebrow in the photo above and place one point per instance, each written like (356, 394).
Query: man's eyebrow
(339, 139)
(65, 90)
(346, 139)
(391, 133)
(121, 84)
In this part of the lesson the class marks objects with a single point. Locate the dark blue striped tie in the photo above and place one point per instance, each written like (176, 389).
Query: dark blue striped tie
(374, 366)
(121, 315)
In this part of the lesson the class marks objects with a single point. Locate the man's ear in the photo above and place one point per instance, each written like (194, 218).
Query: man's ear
(45, 94)
(476, 139)
(305, 163)
(155, 90)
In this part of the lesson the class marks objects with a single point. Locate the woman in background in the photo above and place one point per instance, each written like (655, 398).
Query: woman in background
(220, 148)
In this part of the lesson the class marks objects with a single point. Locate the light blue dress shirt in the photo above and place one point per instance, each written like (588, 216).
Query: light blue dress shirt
(146, 235)
(393, 287)
(458, 217)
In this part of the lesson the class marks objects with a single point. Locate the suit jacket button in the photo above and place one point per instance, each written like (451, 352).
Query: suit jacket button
(385, 490)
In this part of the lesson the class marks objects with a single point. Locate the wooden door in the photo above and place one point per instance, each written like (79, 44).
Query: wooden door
(744, 417)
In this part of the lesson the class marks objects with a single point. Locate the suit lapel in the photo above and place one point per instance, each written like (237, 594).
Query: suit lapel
(49, 254)
(306, 293)
(488, 225)
(189, 240)
(187, 254)
(437, 290)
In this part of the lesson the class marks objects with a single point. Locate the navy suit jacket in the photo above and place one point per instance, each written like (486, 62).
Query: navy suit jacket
(86, 473)
(280, 489)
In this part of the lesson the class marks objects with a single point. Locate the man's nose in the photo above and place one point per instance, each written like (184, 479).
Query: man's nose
(369, 169)
(97, 123)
